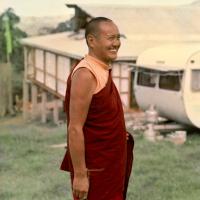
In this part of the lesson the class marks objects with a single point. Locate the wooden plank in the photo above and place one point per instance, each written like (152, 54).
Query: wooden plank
(40, 70)
(56, 75)
(25, 62)
(33, 61)
(44, 56)
(34, 94)
(43, 86)
(56, 111)
(120, 75)
(25, 86)
(43, 108)
(122, 93)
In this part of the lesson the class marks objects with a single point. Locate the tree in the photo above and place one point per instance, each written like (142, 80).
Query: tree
(11, 59)
(16, 56)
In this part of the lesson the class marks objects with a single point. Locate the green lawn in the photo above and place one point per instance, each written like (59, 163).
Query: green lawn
(29, 167)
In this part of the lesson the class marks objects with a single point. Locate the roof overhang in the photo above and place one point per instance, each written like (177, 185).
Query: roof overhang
(67, 44)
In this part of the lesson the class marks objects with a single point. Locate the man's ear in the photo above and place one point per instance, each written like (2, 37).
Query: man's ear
(90, 40)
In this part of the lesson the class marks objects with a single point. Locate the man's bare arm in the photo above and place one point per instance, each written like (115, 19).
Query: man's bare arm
(82, 89)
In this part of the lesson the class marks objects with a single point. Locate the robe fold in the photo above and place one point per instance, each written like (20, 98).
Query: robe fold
(108, 154)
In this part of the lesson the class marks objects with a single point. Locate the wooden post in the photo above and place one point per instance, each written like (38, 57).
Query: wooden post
(56, 111)
(43, 108)
(25, 99)
(25, 86)
(34, 94)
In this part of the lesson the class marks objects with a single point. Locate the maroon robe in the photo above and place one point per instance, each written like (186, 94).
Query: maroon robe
(108, 156)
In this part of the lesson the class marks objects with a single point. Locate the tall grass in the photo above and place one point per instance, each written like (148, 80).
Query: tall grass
(29, 166)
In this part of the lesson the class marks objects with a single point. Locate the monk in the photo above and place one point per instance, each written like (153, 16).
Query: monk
(100, 153)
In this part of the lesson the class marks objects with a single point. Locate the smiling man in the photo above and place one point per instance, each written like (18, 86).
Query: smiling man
(97, 140)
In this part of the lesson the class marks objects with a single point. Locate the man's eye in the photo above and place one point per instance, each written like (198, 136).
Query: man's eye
(112, 38)
(118, 37)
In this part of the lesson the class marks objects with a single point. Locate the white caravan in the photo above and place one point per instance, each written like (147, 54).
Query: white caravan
(168, 77)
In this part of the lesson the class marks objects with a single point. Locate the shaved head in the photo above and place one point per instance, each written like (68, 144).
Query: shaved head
(92, 27)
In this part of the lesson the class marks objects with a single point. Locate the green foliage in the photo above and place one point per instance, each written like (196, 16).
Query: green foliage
(11, 51)
(17, 55)
(2, 42)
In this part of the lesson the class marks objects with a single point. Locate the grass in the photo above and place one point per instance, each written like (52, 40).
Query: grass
(163, 171)
(29, 167)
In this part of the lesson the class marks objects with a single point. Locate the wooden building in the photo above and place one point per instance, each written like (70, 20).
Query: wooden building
(49, 59)
(48, 62)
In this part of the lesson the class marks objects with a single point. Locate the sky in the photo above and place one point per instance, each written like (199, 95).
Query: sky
(57, 7)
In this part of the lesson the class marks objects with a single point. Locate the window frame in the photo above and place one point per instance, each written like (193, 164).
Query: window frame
(178, 73)
(194, 89)
(147, 71)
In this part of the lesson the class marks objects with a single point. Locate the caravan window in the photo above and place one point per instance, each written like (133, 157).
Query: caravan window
(171, 80)
(147, 77)
(195, 80)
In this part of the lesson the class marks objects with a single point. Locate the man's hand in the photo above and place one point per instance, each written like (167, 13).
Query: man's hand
(81, 186)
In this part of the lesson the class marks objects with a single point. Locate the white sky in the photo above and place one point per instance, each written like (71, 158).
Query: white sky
(57, 7)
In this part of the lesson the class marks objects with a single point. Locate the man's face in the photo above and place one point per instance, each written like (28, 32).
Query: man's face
(106, 42)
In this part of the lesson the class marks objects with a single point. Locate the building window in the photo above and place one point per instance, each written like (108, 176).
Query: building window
(171, 80)
(147, 78)
(195, 81)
